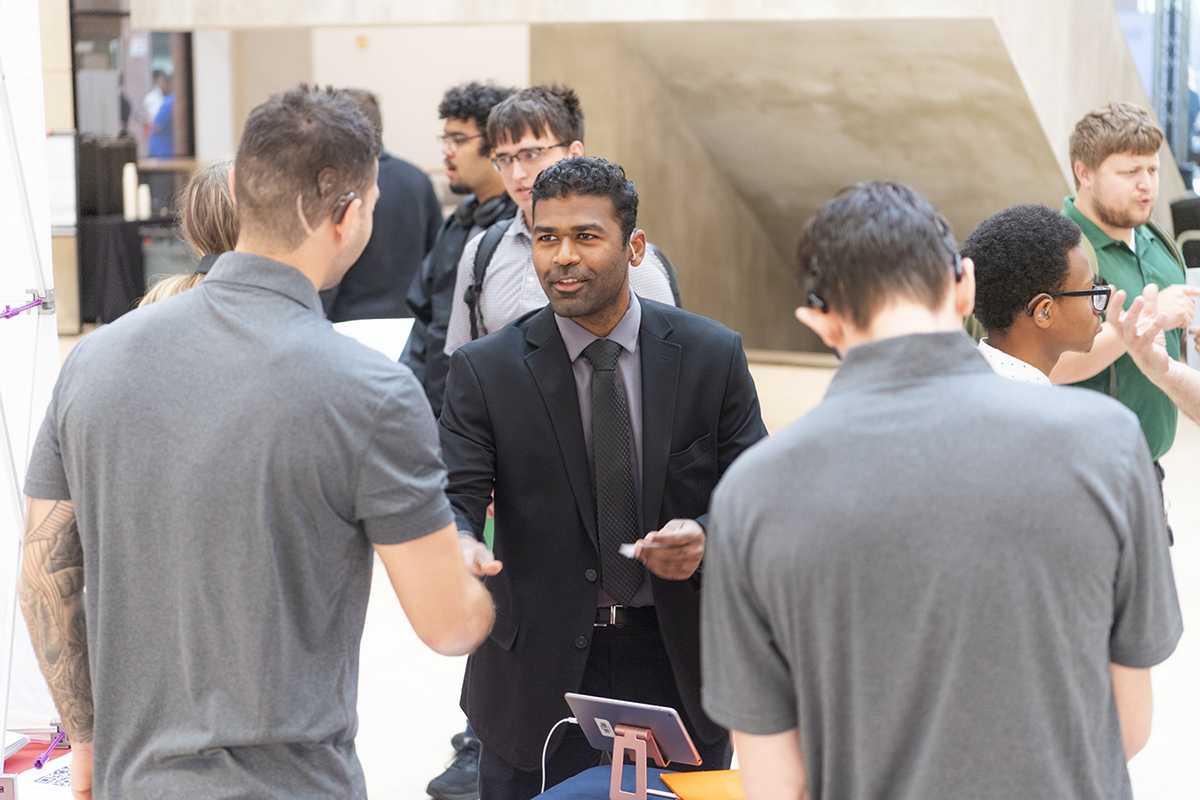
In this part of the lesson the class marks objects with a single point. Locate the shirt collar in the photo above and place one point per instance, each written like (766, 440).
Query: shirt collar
(518, 227)
(1010, 366)
(576, 337)
(1092, 231)
(904, 359)
(266, 273)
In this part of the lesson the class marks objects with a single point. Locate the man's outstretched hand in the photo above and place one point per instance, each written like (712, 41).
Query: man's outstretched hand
(1141, 330)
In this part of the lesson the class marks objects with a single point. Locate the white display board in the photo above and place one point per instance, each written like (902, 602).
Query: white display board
(28, 342)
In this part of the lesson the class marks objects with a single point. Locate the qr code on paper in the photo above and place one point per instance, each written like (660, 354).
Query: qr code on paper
(60, 777)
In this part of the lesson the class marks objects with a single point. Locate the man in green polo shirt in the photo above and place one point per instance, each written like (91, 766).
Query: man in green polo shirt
(1114, 153)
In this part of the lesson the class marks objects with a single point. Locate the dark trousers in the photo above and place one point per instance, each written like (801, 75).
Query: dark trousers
(628, 663)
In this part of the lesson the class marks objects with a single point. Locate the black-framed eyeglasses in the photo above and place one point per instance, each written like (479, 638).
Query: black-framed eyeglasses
(456, 140)
(1100, 296)
(527, 157)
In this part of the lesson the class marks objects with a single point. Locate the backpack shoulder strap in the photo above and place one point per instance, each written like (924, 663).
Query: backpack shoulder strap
(1161, 234)
(672, 278)
(483, 256)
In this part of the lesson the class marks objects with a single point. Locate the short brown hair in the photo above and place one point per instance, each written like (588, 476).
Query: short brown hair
(207, 214)
(308, 145)
(1115, 128)
(538, 110)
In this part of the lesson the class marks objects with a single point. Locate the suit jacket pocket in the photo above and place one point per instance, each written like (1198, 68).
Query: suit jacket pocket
(692, 453)
(504, 630)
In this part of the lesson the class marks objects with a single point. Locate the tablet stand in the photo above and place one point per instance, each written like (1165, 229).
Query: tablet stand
(639, 742)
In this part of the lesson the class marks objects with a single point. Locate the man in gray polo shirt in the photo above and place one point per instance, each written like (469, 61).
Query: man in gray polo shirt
(216, 469)
(940, 583)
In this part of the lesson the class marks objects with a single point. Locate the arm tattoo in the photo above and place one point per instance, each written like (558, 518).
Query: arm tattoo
(51, 592)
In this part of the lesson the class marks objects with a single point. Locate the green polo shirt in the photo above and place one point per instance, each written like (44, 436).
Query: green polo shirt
(1125, 269)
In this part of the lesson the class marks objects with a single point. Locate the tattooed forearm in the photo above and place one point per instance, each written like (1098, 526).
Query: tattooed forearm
(52, 600)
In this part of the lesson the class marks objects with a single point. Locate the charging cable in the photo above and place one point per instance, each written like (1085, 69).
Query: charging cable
(546, 747)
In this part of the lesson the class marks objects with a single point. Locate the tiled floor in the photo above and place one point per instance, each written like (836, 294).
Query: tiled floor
(408, 696)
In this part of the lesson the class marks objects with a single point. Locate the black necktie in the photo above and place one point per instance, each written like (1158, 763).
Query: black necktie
(616, 503)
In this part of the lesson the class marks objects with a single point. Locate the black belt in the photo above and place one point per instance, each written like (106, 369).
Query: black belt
(626, 616)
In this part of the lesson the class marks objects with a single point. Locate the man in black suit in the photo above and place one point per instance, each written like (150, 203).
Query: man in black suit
(593, 419)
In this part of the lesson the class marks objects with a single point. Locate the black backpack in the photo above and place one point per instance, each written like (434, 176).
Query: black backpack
(483, 257)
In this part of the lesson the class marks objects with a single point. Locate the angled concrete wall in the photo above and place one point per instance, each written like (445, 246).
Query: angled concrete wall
(739, 118)
(729, 266)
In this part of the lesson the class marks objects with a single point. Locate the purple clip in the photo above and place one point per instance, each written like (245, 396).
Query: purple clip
(41, 760)
(9, 312)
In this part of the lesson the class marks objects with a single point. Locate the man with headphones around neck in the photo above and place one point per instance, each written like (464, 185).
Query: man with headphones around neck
(467, 153)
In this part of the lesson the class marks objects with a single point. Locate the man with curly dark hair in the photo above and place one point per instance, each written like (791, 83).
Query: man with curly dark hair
(467, 154)
(1034, 293)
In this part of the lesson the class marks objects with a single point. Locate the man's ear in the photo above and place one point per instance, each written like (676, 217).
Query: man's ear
(232, 186)
(637, 247)
(827, 325)
(576, 149)
(1041, 312)
(350, 221)
(1083, 175)
(964, 290)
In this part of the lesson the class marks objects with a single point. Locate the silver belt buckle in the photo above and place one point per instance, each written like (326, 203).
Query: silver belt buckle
(612, 615)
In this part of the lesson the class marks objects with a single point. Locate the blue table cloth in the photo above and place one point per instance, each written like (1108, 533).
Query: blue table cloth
(592, 784)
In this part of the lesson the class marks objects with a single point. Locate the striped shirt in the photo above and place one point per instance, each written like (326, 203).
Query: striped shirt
(511, 286)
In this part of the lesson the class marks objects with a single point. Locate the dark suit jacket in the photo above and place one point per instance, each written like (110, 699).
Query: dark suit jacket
(511, 417)
(406, 223)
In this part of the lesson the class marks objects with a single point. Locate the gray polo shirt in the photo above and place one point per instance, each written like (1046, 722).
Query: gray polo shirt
(929, 575)
(231, 460)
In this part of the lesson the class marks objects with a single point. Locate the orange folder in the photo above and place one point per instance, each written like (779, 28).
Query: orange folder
(723, 784)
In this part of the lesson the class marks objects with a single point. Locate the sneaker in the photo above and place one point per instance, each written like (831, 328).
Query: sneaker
(459, 740)
(460, 781)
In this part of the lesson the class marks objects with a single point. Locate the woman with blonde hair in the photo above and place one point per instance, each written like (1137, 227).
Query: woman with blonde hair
(210, 227)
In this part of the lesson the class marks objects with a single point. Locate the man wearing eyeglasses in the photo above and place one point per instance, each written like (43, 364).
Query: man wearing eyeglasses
(529, 131)
(467, 154)
(1034, 291)
(939, 583)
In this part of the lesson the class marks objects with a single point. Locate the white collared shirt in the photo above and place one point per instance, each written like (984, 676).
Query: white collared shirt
(1011, 367)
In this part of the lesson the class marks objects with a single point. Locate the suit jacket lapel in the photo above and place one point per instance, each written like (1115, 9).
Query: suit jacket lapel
(551, 369)
(660, 377)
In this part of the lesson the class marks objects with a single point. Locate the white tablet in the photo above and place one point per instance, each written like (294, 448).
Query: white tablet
(599, 717)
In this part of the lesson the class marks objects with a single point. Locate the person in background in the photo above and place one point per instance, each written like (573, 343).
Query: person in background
(1114, 160)
(227, 564)
(208, 219)
(531, 130)
(407, 219)
(467, 154)
(161, 141)
(939, 583)
(1034, 291)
